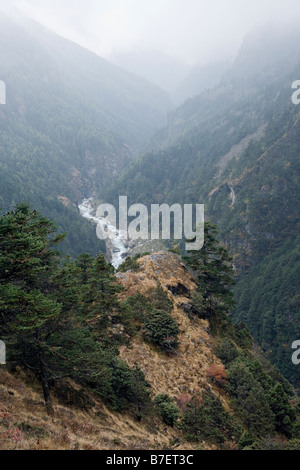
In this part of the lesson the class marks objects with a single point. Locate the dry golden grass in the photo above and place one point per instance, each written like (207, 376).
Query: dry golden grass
(164, 268)
(185, 371)
(24, 423)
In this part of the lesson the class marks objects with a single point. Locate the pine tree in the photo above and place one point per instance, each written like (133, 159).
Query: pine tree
(213, 269)
(283, 412)
(100, 306)
(28, 309)
(57, 316)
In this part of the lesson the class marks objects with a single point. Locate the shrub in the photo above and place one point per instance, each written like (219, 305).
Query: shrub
(243, 336)
(14, 435)
(296, 430)
(167, 409)
(127, 389)
(217, 373)
(227, 351)
(159, 299)
(139, 307)
(293, 444)
(183, 401)
(249, 400)
(32, 431)
(285, 416)
(247, 440)
(207, 420)
(130, 263)
(161, 329)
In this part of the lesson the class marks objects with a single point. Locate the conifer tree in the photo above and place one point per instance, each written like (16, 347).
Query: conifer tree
(213, 269)
(28, 309)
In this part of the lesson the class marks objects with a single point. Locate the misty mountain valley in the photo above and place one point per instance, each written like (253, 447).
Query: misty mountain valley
(149, 229)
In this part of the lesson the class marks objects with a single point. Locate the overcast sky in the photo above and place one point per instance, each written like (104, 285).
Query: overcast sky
(190, 30)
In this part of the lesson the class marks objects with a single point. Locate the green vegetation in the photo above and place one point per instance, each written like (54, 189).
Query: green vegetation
(206, 419)
(167, 409)
(131, 263)
(71, 121)
(259, 394)
(268, 300)
(236, 149)
(162, 330)
(212, 267)
(58, 316)
(61, 319)
(152, 317)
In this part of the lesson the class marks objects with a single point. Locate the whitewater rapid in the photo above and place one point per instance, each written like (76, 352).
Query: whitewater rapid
(117, 242)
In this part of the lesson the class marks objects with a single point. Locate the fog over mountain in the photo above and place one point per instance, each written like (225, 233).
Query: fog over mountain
(192, 32)
(158, 67)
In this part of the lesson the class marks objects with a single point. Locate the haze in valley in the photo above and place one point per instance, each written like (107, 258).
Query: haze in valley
(159, 39)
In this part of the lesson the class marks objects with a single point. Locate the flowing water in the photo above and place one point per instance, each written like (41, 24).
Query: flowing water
(118, 245)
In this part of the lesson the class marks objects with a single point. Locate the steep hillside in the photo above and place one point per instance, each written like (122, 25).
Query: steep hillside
(186, 372)
(193, 379)
(81, 421)
(71, 121)
(236, 149)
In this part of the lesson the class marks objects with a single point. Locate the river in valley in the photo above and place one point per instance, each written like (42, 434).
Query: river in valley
(117, 242)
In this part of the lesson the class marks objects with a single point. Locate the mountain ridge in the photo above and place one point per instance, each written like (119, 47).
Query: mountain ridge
(236, 149)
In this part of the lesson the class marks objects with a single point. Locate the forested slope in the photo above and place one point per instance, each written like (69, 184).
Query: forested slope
(145, 359)
(72, 121)
(236, 149)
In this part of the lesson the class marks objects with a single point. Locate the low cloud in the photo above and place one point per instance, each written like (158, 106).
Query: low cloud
(189, 30)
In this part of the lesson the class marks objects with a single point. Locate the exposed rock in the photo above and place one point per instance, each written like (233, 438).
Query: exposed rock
(163, 268)
(65, 201)
(186, 307)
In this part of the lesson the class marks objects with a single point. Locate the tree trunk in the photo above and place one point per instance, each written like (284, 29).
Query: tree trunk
(45, 384)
